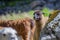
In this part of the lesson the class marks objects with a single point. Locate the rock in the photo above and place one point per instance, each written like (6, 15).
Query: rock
(52, 30)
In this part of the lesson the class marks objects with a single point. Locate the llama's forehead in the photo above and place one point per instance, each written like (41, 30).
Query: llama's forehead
(9, 30)
(38, 12)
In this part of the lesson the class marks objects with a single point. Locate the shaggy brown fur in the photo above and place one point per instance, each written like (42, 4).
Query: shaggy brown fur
(40, 21)
(23, 26)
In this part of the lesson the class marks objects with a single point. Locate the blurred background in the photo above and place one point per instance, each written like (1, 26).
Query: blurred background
(14, 7)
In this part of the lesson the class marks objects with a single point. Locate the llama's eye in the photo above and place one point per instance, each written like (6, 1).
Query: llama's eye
(4, 35)
(37, 14)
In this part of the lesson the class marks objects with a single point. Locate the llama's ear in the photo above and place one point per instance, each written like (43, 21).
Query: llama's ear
(50, 15)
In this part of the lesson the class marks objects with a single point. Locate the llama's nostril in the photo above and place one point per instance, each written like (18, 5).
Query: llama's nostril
(12, 38)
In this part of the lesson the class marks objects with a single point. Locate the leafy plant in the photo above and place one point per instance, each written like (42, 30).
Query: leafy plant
(46, 11)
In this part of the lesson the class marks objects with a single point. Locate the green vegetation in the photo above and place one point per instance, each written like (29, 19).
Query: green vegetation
(30, 13)
(14, 16)
(46, 11)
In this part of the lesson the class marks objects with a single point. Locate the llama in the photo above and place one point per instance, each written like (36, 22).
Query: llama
(24, 27)
(40, 22)
(8, 33)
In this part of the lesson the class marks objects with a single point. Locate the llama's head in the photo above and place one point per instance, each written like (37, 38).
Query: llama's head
(8, 34)
(37, 15)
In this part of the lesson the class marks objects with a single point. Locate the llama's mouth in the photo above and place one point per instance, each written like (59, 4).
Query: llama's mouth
(38, 18)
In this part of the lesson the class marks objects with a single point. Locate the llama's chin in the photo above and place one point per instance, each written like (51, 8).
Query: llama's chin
(37, 19)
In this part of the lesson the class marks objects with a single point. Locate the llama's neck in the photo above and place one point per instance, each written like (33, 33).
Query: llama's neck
(38, 24)
(37, 30)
